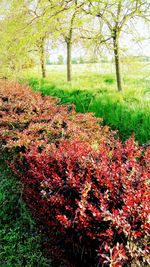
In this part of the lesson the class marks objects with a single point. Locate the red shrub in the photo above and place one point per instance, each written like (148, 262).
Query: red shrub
(96, 201)
(89, 192)
(18, 107)
(27, 117)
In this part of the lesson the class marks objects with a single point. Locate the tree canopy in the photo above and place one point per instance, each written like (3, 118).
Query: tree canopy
(27, 27)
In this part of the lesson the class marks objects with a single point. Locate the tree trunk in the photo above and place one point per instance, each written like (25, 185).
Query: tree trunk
(69, 61)
(42, 59)
(117, 63)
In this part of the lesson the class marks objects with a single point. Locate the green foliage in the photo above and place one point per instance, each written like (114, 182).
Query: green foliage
(60, 60)
(20, 241)
(14, 46)
(126, 117)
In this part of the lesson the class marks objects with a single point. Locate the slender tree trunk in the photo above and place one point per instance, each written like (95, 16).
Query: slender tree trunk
(117, 63)
(69, 61)
(42, 59)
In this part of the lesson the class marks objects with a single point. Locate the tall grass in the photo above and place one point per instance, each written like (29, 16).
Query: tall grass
(129, 112)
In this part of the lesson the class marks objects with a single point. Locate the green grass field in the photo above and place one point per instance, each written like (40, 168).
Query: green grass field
(93, 89)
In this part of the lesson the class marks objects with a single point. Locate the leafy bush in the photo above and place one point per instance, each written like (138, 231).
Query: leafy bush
(18, 107)
(88, 190)
(27, 117)
(94, 201)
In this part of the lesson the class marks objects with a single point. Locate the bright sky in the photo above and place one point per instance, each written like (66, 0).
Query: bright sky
(136, 47)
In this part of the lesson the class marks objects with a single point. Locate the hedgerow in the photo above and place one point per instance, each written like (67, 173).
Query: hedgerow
(96, 201)
(27, 117)
(88, 190)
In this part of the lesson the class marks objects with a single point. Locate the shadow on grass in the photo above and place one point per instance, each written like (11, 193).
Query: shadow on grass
(20, 241)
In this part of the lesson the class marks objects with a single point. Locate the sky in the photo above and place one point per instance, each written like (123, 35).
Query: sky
(130, 47)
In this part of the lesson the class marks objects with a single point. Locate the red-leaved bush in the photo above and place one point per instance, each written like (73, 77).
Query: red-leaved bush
(27, 117)
(18, 107)
(95, 200)
(88, 190)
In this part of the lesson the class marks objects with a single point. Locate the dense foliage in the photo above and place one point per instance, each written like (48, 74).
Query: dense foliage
(26, 115)
(88, 190)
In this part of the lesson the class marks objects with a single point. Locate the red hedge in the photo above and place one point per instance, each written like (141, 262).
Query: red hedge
(94, 200)
(27, 117)
(89, 192)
